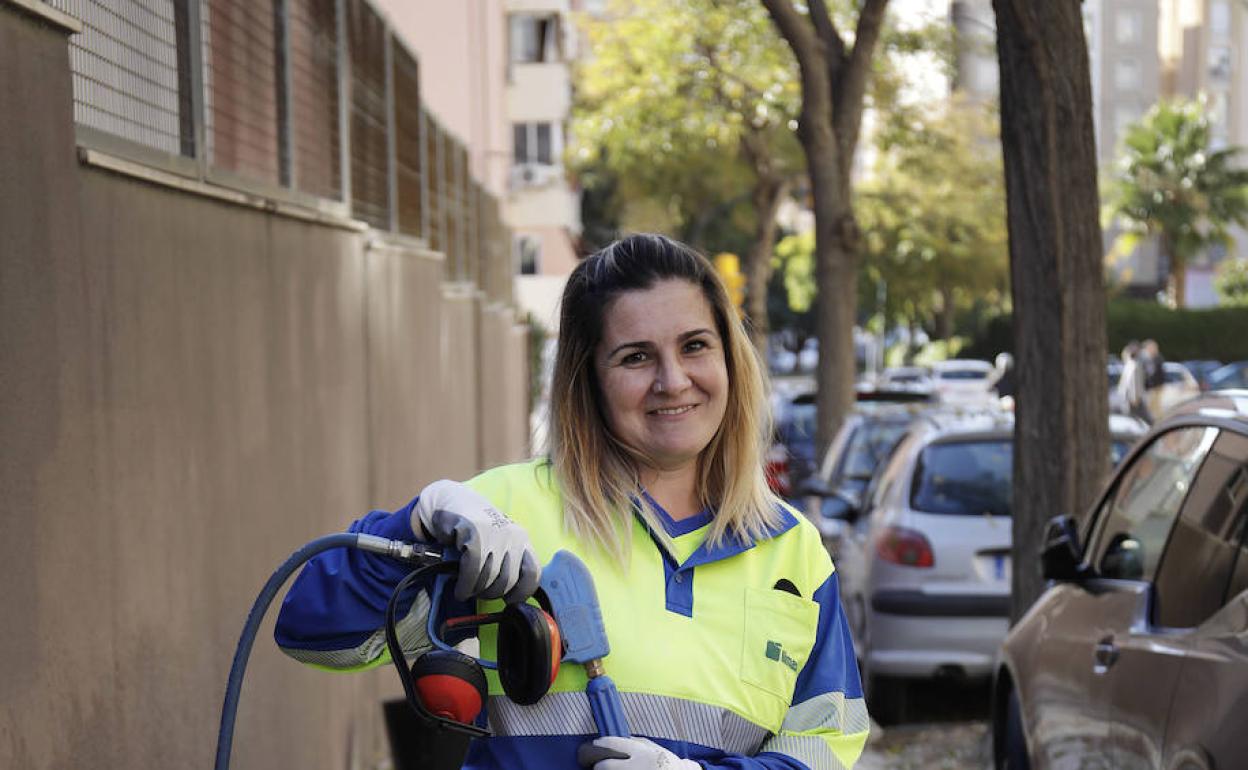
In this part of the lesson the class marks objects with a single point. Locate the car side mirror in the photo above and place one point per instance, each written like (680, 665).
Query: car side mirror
(833, 503)
(840, 505)
(1061, 554)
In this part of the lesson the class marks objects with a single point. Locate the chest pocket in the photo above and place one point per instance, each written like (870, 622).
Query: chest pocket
(778, 636)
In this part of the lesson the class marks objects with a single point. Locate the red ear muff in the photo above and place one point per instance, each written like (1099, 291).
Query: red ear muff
(450, 685)
(529, 649)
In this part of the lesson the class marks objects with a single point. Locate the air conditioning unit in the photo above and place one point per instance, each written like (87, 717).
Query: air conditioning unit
(534, 175)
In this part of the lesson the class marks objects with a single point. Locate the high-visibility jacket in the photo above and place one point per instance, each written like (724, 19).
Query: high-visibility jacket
(737, 656)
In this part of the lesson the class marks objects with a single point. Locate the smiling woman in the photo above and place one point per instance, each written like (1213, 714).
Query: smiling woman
(664, 385)
(728, 643)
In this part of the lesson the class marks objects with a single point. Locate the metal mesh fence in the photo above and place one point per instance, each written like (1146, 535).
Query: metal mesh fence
(370, 183)
(125, 66)
(240, 87)
(314, 97)
(407, 140)
(431, 138)
(270, 108)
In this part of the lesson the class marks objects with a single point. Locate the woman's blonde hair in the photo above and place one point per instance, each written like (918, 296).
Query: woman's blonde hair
(597, 473)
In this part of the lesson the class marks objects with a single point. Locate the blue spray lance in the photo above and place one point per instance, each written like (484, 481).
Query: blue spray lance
(566, 591)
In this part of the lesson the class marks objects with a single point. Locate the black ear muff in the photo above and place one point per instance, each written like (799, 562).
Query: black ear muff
(529, 649)
(450, 685)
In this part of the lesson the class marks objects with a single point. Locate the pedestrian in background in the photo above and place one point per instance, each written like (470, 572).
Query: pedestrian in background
(1131, 383)
(1004, 385)
(1154, 367)
(728, 642)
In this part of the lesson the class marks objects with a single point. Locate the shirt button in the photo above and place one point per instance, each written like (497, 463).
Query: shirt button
(679, 578)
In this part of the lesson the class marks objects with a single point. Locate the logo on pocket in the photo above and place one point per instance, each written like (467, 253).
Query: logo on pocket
(775, 651)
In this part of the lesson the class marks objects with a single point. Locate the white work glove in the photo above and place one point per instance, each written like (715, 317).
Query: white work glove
(495, 555)
(612, 753)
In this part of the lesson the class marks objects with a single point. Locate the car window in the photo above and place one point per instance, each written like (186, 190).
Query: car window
(868, 446)
(1145, 502)
(1175, 375)
(964, 477)
(1198, 561)
(963, 374)
(1238, 491)
(1229, 376)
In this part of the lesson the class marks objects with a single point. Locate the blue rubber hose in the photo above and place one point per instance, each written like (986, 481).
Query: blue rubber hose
(234, 685)
(407, 552)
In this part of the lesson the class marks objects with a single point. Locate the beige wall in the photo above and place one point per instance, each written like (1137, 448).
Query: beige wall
(192, 389)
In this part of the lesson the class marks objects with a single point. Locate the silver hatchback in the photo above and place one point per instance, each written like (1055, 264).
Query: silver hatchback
(925, 568)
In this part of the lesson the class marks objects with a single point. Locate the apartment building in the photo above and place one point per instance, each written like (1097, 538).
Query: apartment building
(542, 206)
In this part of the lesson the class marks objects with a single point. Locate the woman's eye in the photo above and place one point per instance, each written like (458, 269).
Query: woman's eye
(633, 358)
(693, 346)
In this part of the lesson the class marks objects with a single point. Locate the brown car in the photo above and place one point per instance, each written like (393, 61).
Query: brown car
(1137, 654)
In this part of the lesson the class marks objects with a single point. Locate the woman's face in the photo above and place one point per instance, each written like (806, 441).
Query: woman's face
(663, 373)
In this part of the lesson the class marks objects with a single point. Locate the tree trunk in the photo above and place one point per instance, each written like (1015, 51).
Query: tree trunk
(1056, 276)
(1178, 272)
(834, 81)
(768, 193)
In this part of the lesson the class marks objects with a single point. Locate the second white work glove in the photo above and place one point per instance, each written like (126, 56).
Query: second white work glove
(612, 753)
(496, 558)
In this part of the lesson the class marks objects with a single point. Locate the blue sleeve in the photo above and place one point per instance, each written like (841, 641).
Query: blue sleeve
(339, 598)
(827, 722)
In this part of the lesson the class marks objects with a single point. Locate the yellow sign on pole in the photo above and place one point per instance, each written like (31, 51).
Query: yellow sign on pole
(728, 266)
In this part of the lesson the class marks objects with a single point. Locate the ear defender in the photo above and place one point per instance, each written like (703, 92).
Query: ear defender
(450, 685)
(529, 649)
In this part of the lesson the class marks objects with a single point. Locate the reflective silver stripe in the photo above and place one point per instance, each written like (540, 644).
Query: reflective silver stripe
(830, 711)
(813, 752)
(654, 716)
(413, 639)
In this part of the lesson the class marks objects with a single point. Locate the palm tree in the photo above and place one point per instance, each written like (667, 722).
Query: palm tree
(1170, 183)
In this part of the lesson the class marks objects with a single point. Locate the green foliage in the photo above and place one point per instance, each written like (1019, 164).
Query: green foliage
(665, 100)
(934, 217)
(1169, 182)
(1182, 334)
(794, 263)
(1231, 282)
(536, 342)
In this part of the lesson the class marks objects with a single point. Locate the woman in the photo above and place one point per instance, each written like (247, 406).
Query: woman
(728, 643)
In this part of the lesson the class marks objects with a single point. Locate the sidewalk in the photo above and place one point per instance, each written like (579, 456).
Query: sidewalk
(928, 746)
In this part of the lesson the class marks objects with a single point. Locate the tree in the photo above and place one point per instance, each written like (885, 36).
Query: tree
(834, 79)
(686, 101)
(1232, 282)
(1049, 150)
(934, 214)
(1169, 182)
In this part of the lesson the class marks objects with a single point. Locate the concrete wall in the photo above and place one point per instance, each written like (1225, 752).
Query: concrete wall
(192, 389)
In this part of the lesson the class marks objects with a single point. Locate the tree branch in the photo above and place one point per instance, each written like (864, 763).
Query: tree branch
(847, 112)
(826, 30)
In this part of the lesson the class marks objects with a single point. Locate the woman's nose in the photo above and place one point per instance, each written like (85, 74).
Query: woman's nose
(670, 377)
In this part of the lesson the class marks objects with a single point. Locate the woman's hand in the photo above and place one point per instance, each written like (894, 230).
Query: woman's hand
(611, 753)
(496, 558)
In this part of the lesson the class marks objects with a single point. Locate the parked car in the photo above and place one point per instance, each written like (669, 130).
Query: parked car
(1201, 369)
(864, 441)
(1136, 655)
(1233, 375)
(913, 378)
(791, 458)
(925, 569)
(963, 381)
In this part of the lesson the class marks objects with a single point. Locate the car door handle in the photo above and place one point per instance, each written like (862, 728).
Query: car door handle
(1105, 655)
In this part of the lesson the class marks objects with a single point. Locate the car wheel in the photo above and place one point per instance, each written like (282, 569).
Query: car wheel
(887, 698)
(1011, 749)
